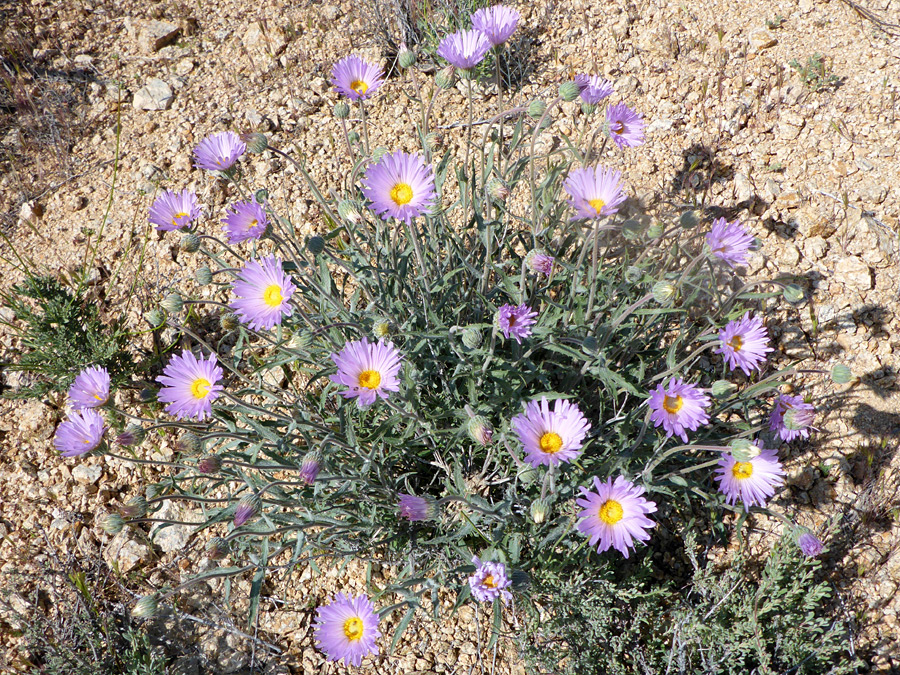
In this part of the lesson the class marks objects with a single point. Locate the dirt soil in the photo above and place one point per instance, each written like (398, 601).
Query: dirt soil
(812, 167)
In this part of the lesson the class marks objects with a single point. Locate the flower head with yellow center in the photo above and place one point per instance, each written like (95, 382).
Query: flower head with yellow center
(678, 407)
(190, 385)
(356, 79)
(744, 343)
(751, 482)
(347, 629)
(594, 192)
(245, 220)
(368, 370)
(400, 186)
(174, 210)
(614, 515)
(263, 291)
(489, 581)
(90, 388)
(550, 436)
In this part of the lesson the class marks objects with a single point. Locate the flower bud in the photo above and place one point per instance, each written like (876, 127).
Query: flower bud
(135, 508)
(256, 142)
(434, 140)
(209, 464)
(378, 153)
(203, 275)
(406, 59)
(743, 450)
(796, 419)
(312, 464)
(443, 79)
(588, 108)
(188, 443)
(539, 510)
(133, 434)
(841, 374)
(382, 329)
(793, 294)
(497, 189)
(172, 303)
(341, 110)
(190, 243)
(480, 430)
(536, 109)
(113, 523)
(348, 211)
(655, 231)
(146, 607)
(633, 274)
(471, 337)
(229, 322)
(722, 388)
(353, 137)
(217, 548)
(568, 91)
(664, 292)
(155, 318)
(261, 196)
(300, 340)
(246, 509)
(315, 244)
(539, 261)
(468, 73)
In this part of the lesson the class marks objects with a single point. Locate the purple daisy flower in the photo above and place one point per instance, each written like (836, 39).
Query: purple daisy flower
(79, 434)
(489, 581)
(497, 23)
(593, 88)
(414, 508)
(626, 127)
(515, 321)
(90, 389)
(594, 192)
(368, 370)
(219, 151)
(264, 293)
(400, 185)
(729, 241)
(550, 437)
(810, 544)
(356, 79)
(245, 220)
(347, 629)
(678, 407)
(744, 343)
(614, 514)
(792, 417)
(464, 49)
(540, 262)
(190, 385)
(753, 482)
(174, 210)
(309, 469)
(246, 510)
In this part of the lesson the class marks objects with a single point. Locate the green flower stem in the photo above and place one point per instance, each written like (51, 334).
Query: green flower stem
(350, 150)
(310, 183)
(222, 244)
(691, 357)
(678, 448)
(365, 126)
(535, 216)
(135, 460)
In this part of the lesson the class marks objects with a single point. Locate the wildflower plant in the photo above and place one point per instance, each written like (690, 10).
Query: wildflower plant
(415, 386)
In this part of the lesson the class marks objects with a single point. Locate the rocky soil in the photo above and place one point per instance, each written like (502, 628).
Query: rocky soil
(812, 167)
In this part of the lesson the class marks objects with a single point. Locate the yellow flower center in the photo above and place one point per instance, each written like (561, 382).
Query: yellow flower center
(200, 388)
(742, 470)
(401, 194)
(489, 581)
(597, 205)
(370, 379)
(353, 628)
(272, 295)
(253, 223)
(736, 343)
(359, 87)
(672, 404)
(98, 397)
(617, 128)
(550, 442)
(181, 214)
(611, 512)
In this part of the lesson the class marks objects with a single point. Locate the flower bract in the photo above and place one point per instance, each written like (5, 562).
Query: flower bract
(347, 629)
(90, 389)
(79, 434)
(356, 79)
(550, 437)
(368, 370)
(413, 508)
(614, 515)
(752, 482)
(264, 293)
(791, 417)
(594, 192)
(190, 385)
(810, 544)
(174, 210)
(744, 343)
(678, 407)
(399, 186)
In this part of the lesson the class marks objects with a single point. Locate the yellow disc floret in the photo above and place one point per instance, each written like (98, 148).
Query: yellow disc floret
(611, 512)
(672, 404)
(742, 470)
(550, 442)
(489, 581)
(597, 205)
(359, 87)
(736, 343)
(353, 628)
(370, 379)
(200, 388)
(401, 194)
(272, 295)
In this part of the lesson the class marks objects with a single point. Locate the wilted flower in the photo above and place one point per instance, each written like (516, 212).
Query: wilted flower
(245, 220)
(594, 192)
(246, 509)
(133, 434)
(347, 629)
(626, 127)
(678, 407)
(190, 385)
(497, 189)
(538, 260)
(593, 88)
(792, 417)
(664, 291)
(729, 241)
(90, 388)
(400, 186)
(209, 464)
(550, 437)
(255, 142)
(135, 508)
(490, 581)
(79, 434)
(356, 79)
(810, 544)
(219, 151)
(614, 514)
(464, 49)
(515, 321)
(753, 481)
(217, 548)
(414, 508)
(497, 23)
(174, 210)
(368, 370)
(312, 464)
(264, 293)
(744, 343)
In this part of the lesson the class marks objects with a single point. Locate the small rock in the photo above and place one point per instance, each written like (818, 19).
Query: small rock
(87, 474)
(155, 95)
(171, 538)
(815, 248)
(266, 39)
(863, 164)
(743, 191)
(157, 34)
(126, 552)
(790, 125)
(31, 212)
(761, 38)
(84, 61)
(330, 12)
(873, 194)
(76, 202)
(790, 255)
(660, 125)
(854, 273)
(789, 200)
(184, 67)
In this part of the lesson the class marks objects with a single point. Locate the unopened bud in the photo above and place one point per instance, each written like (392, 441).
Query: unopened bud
(217, 548)
(209, 464)
(353, 137)
(539, 261)
(480, 430)
(229, 322)
(743, 450)
(146, 607)
(472, 337)
(113, 523)
(539, 510)
(133, 434)
(261, 196)
(188, 443)
(588, 108)
(663, 292)
(722, 388)
(536, 109)
(841, 374)
(382, 329)
(256, 142)
(309, 469)
(172, 303)
(406, 59)
(348, 211)
(315, 244)
(434, 140)
(797, 419)
(203, 275)
(378, 153)
(793, 293)
(155, 318)
(444, 77)
(341, 110)
(135, 508)
(497, 189)
(246, 509)
(190, 243)
(655, 231)
(300, 340)
(568, 91)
